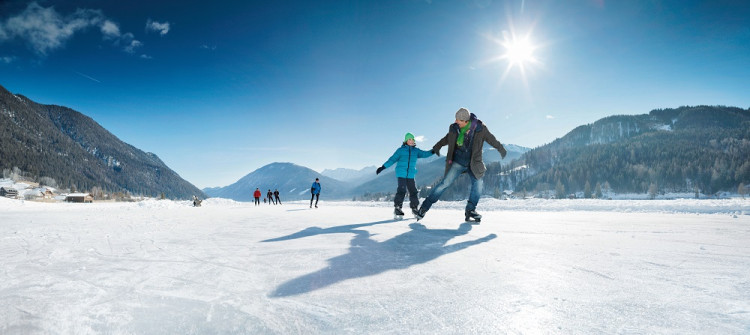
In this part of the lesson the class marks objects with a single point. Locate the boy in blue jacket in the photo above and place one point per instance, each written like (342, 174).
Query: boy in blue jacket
(405, 158)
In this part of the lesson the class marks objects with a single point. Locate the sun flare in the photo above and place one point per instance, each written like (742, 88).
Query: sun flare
(519, 51)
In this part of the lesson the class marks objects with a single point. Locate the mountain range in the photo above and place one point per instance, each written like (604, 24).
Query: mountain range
(57, 143)
(294, 181)
(701, 149)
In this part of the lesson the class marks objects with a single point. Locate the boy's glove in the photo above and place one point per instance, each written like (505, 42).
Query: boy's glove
(380, 169)
(436, 152)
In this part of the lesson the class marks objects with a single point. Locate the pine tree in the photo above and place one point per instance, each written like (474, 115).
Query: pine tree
(652, 190)
(560, 190)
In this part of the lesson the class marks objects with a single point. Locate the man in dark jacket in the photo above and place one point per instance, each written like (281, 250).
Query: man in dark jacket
(465, 139)
(269, 195)
(276, 195)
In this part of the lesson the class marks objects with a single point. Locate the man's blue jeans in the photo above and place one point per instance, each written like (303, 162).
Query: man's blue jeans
(453, 173)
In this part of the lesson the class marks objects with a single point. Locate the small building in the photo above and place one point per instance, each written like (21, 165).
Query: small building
(48, 194)
(40, 193)
(8, 192)
(79, 197)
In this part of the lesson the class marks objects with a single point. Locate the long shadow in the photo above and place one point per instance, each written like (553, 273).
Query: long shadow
(368, 257)
(320, 231)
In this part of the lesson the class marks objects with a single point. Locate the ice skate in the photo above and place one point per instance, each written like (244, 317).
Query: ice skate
(398, 214)
(419, 215)
(473, 216)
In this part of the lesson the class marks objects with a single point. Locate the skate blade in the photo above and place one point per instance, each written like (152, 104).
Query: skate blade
(398, 217)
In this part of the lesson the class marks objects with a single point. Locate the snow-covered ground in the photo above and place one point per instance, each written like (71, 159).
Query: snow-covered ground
(531, 266)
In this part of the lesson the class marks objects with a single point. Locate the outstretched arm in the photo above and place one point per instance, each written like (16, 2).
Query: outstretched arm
(424, 153)
(443, 142)
(489, 138)
(392, 160)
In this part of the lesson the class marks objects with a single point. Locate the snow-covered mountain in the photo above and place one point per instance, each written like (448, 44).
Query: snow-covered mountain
(292, 181)
(686, 149)
(490, 155)
(351, 176)
(60, 143)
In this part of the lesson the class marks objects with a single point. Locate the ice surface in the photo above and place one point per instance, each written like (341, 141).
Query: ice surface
(534, 266)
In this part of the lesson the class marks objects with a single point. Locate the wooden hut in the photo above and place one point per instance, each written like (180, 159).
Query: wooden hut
(79, 197)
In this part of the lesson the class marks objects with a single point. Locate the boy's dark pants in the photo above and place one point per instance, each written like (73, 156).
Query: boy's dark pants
(403, 185)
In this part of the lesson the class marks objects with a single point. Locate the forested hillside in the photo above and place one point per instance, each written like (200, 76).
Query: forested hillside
(702, 149)
(57, 143)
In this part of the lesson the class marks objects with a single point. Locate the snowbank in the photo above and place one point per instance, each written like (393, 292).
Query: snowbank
(733, 206)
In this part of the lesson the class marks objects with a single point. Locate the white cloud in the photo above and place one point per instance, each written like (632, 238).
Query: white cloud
(130, 47)
(419, 138)
(161, 28)
(144, 56)
(45, 30)
(549, 117)
(7, 59)
(208, 47)
(110, 29)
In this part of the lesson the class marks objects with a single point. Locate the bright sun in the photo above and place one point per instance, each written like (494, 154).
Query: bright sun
(518, 52)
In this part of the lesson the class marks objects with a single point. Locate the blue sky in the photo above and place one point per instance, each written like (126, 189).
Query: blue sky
(218, 89)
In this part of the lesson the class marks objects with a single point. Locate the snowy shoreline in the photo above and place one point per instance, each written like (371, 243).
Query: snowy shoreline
(731, 206)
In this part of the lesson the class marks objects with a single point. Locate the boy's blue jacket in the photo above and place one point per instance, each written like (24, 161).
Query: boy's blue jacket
(406, 159)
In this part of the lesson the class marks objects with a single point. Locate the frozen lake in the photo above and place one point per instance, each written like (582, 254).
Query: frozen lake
(535, 266)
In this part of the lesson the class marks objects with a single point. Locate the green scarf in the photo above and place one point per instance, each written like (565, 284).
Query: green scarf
(461, 134)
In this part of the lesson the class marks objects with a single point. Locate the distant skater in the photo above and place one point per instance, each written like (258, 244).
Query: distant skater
(269, 195)
(276, 195)
(257, 195)
(315, 190)
(405, 159)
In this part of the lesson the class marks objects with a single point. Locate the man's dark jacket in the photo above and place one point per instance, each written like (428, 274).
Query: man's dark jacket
(479, 134)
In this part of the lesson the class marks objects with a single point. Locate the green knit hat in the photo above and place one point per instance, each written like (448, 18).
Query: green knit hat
(408, 136)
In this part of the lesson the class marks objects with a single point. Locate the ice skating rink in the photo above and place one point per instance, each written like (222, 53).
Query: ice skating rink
(562, 267)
